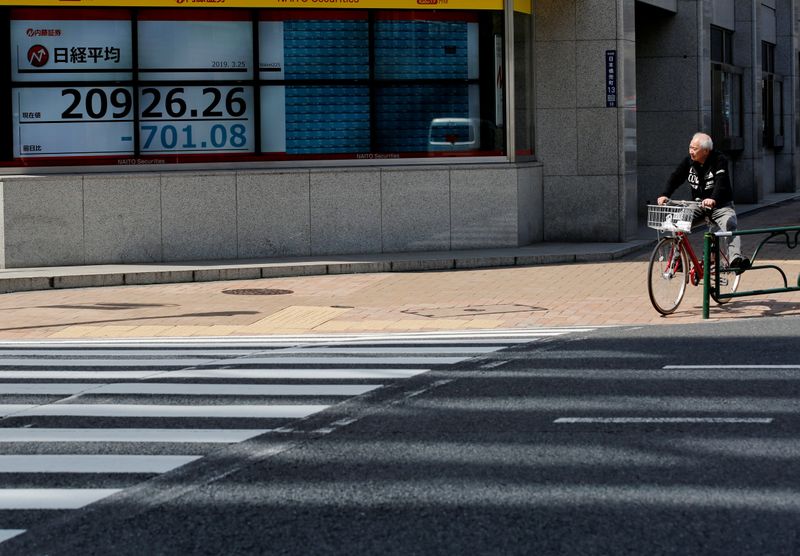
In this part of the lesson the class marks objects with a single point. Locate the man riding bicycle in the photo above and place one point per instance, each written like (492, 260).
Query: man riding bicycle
(706, 170)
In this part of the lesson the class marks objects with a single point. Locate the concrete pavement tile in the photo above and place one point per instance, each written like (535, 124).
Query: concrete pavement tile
(225, 330)
(340, 326)
(406, 324)
(297, 317)
(484, 324)
(178, 331)
(195, 330)
(75, 332)
(110, 331)
(147, 331)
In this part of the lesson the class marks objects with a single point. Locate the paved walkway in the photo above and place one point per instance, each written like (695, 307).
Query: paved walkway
(569, 285)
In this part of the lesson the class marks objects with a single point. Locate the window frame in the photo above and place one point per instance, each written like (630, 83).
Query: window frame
(723, 70)
(772, 128)
(8, 162)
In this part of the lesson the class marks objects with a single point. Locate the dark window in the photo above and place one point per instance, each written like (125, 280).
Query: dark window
(726, 92)
(767, 57)
(771, 98)
(721, 45)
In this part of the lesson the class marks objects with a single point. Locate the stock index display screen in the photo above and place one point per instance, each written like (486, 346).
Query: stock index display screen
(123, 85)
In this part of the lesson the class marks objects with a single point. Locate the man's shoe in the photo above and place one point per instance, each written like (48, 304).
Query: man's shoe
(740, 263)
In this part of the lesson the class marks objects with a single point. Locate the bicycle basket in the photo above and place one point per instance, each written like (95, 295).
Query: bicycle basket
(670, 218)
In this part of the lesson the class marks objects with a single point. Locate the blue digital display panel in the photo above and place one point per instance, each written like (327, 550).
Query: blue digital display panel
(421, 49)
(327, 119)
(326, 49)
(408, 115)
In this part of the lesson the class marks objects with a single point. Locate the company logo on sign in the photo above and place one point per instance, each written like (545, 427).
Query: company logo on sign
(38, 56)
(43, 32)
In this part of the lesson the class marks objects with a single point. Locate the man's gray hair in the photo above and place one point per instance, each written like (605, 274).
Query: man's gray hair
(705, 141)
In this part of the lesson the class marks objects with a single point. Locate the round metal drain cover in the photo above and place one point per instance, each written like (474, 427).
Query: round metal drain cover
(257, 291)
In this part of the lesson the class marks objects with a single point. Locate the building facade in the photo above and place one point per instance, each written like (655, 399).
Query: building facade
(173, 130)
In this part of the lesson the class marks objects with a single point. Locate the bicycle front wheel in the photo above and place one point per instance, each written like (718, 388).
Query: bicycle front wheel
(667, 275)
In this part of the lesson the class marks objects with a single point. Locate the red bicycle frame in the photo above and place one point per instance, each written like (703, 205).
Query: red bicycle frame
(696, 265)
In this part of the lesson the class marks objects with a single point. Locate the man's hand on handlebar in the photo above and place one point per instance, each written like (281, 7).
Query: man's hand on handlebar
(707, 204)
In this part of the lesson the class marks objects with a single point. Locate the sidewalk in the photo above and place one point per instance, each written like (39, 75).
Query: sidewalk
(534, 286)
(87, 276)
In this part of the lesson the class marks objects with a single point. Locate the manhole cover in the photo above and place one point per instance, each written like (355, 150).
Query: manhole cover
(257, 291)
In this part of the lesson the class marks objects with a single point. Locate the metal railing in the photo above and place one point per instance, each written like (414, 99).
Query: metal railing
(788, 235)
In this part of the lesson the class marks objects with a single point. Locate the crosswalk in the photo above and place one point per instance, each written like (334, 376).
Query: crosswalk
(83, 420)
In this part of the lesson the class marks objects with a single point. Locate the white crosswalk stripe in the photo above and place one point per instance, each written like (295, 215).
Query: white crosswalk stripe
(185, 436)
(154, 410)
(188, 389)
(257, 374)
(51, 498)
(91, 408)
(72, 463)
(6, 534)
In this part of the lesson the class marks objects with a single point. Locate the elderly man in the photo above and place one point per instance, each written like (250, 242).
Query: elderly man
(706, 170)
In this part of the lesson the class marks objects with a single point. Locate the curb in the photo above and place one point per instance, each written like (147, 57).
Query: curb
(97, 276)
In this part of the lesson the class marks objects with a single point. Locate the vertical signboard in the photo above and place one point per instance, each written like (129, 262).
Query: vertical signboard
(611, 78)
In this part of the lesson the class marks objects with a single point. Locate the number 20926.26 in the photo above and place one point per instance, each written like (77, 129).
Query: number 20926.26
(96, 103)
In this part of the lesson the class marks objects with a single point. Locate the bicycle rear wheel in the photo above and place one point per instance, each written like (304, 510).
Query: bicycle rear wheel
(728, 279)
(667, 275)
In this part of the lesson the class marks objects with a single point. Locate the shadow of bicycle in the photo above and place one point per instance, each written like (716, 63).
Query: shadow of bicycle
(754, 308)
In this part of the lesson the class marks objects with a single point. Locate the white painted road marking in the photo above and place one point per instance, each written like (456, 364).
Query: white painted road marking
(165, 411)
(62, 362)
(51, 498)
(355, 350)
(624, 420)
(81, 375)
(300, 374)
(6, 534)
(265, 374)
(278, 360)
(261, 360)
(98, 353)
(181, 389)
(70, 463)
(114, 366)
(722, 367)
(201, 436)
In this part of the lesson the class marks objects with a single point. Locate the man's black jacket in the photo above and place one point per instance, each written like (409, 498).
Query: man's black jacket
(709, 180)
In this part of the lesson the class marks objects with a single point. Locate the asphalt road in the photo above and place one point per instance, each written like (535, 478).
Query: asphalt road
(626, 440)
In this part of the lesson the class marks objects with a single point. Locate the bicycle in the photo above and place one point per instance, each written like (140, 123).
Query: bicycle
(673, 263)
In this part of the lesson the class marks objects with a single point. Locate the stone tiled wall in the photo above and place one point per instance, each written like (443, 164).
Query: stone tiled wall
(669, 60)
(181, 216)
(587, 149)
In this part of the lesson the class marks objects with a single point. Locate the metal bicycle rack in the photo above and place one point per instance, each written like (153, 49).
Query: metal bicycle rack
(788, 235)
